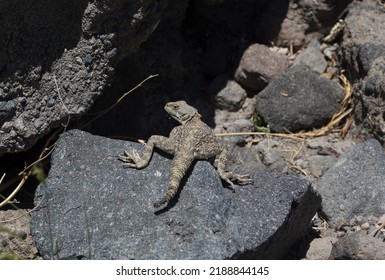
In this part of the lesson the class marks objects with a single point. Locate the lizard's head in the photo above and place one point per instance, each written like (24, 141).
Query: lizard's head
(181, 111)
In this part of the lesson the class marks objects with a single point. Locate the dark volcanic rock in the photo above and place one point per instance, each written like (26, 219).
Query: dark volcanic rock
(363, 51)
(57, 57)
(355, 185)
(297, 100)
(92, 208)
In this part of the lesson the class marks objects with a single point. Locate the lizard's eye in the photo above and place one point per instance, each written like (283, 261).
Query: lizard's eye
(175, 107)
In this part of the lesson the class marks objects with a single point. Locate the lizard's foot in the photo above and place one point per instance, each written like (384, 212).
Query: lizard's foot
(132, 160)
(230, 177)
(242, 179)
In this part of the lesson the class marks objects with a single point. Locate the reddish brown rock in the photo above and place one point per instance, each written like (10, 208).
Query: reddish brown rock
(258, 66)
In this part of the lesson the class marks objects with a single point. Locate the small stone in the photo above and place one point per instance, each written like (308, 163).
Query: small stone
(382, 219)
(88, 59)
(340, 234)
(301, 163)
(229, 95)
(312, 57)
(258, 66)
(240, 125)
(112, 52)
(360, 220)
(365, 226)
(51, 102)
(353, 222)
(356, 228)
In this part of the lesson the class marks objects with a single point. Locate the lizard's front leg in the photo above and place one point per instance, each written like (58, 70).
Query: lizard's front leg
(133, 160)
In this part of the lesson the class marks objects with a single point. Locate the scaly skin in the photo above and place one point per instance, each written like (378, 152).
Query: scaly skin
(192, 140)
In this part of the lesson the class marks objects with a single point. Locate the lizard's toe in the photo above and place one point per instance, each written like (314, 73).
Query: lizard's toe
(244, 180)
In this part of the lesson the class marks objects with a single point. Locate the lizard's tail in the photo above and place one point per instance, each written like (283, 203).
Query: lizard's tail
(178, 170)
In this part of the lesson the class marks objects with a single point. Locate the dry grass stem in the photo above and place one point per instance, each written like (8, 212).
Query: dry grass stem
(105, 111)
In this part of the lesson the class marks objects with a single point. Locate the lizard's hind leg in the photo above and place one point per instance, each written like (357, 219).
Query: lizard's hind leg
(228, 176)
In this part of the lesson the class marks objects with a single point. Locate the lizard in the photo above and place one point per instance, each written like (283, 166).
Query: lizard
(191, 140)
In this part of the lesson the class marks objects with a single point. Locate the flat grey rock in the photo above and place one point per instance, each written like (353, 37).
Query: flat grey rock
(93, 208)
(355, 185)
(298, 100)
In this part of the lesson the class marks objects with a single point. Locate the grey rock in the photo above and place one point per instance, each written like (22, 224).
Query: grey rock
(258, 66)
(365, 226)
(318, 164)
(320, 248)
(240, 125)
(295, 23)
(71, 53)
(228, 94)
(358, 246)
(355, 185)
(92, 208)
(298, 100)
(312, 57)
(270, 157)
(360, 220)
(363, 51)
(368, 53)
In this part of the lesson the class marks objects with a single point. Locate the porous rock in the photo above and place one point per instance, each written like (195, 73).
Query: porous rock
(57, 57)
(298, 100)
(355, 185)
(92, 208)
(363, 51)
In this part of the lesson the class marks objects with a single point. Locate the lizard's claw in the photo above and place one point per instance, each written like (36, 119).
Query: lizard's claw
(129, 160)
(243, 179)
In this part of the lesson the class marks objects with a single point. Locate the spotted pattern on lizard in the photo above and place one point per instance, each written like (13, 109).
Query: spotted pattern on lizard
(190, 141)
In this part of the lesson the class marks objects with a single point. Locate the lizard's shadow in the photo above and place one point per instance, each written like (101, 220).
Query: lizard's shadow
(175, 199)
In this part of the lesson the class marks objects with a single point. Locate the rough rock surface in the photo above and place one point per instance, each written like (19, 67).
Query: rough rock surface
(15, 238)
(355, 185)
(358, 246)
(312, 57)
(320, 248)
(296, 23)
(228, 94)
(258, 66)
(298, 100)
(92, 208)
(363, 51)
(67, 45)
